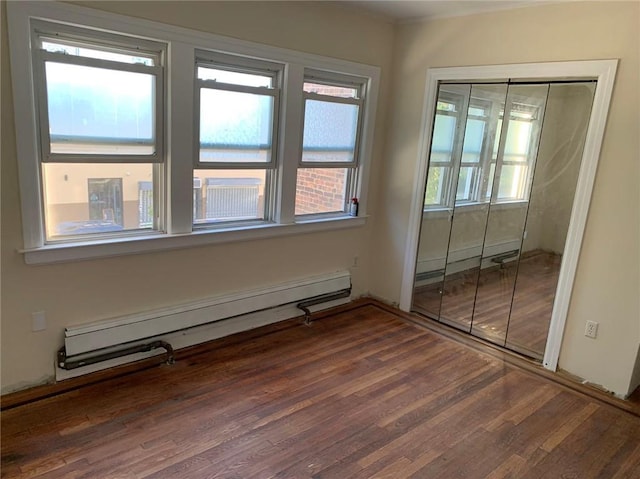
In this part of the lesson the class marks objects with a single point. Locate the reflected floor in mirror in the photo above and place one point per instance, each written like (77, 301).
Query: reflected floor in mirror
(531, 312)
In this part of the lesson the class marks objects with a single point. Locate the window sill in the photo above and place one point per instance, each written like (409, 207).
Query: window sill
(77, 251)
(437, 213)
(444, 212)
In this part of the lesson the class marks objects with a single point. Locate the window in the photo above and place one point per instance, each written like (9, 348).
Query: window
(132, 145)
(326, 176)
(99, 98)
(443, 145)
(519, 151)
(238, 102)
(471, 150)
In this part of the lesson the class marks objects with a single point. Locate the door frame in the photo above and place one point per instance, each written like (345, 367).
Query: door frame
(603, 71)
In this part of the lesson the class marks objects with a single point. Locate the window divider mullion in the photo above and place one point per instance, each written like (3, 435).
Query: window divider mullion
(180, 145)
(290, 150)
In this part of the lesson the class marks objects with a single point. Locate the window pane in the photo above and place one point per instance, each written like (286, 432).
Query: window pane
(333, 90)
(228, 195)
(464, 190)
(476, 111)
(84, 199)
(513, 179)
(321, 190)
(329, 131)
(444, 131)
(100, 111)
(235, 127)
(235, 78)
(81, 51)
(443, 105)
(473, 141)
(434, 194)
(518, 140)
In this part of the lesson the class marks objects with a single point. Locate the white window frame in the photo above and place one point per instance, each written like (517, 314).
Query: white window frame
(339, 80)
(531, 157)
(450, 174)
(48, 31)
(480, 184)
(182, 46)
(60, 33)
(239, 64)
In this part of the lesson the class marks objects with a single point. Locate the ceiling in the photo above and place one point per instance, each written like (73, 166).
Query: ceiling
(412, 10)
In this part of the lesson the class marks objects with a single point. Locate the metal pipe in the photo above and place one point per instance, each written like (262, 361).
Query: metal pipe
(66, 363)
(323, 298)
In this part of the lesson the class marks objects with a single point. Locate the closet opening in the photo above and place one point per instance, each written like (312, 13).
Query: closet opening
(499, 198)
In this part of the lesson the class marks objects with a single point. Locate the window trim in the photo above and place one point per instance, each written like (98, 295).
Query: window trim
(182, 44)
(151, 242)
(240, 64)
(50, 30)
(353, 167)
(116, 43)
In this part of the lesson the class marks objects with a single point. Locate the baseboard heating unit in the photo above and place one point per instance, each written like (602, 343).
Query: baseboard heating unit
(103, 344)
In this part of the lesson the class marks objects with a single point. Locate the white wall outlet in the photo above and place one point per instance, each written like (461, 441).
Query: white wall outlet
(591, 330)
(38, 321)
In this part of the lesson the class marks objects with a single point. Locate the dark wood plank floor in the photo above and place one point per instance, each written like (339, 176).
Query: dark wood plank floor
(483, 305)
(360, 394)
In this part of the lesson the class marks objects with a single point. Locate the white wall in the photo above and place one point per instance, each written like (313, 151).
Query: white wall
(608, 280)
(74, 293)
(558, 165)
(608, 276)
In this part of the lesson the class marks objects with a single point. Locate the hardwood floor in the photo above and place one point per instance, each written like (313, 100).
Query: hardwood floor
(483, 306)
(359, 394)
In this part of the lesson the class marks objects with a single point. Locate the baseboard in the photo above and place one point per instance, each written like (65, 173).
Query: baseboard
(561, 378)
(463, 259)
(200, 334)
(43, 391)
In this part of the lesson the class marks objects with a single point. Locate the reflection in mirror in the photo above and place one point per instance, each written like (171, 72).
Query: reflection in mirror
(446, 145)
(559, 158)
(522, 119)
(468, 224)
(499, 267)
(501, 182)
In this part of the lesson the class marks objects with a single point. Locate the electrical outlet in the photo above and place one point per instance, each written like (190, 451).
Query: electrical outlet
(591, 330)
(38, 321)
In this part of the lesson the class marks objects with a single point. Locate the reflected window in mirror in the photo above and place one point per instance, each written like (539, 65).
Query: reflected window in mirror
(441, 161)
(469, 180)
(519, 152)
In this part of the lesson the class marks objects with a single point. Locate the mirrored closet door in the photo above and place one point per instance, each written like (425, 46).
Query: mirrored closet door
(503, 169)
